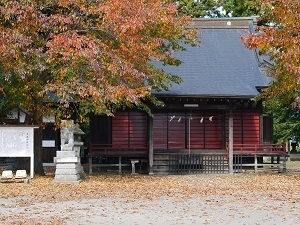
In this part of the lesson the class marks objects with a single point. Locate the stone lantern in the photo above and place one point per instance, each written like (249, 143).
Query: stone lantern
(67, 160)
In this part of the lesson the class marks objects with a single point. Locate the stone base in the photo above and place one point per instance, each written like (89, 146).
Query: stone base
(68, 173)
(68, 168)
(66, 182)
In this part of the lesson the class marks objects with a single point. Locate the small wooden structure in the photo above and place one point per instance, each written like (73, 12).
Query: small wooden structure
(206, 119)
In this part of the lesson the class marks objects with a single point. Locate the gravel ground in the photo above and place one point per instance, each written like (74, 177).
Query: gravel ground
(266, 198)
(217, 210)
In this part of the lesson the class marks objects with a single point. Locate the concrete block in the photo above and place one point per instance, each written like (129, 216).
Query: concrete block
(66, 148)
(67, 166)
(67, 171)
(66, 181)
(67, 160)
(7, 174)
(73, 177)
(21, 174)
(26, 181)
(62, 154)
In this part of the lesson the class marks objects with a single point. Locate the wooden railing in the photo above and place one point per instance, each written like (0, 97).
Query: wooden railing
(258, 149)
(119, 150)
(198, 163)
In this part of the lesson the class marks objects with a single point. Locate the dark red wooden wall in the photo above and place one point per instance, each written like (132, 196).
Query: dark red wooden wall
(246, 127)
(129, 129)
(187, 130)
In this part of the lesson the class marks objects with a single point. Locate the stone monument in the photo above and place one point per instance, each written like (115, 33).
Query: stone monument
(67, 160)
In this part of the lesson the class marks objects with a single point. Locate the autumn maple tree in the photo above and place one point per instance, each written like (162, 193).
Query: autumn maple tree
(92, 53)
(279, 38)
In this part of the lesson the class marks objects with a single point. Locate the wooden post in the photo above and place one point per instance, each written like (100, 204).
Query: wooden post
(230, 163)
(288, 149)
(284, 164)
(120, 164)
(150, 145)
(90, 164)
(255, 164)
(223, 127)
(190, 136)
(261, 128)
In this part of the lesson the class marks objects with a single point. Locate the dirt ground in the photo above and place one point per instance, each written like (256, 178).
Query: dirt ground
(248, 198)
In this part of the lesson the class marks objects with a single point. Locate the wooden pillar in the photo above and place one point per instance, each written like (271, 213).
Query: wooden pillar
(284, 164)
(120, 164)
(223, 127)
(150, 145)
(261, 128)
(288, 150)
(255, 164)
(230, 156)
(90, 164)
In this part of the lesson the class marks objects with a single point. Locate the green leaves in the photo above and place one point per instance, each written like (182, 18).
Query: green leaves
(219, 8)
(286, 119)
(199, 8)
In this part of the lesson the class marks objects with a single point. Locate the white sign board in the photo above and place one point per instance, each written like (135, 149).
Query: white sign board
(17, 141)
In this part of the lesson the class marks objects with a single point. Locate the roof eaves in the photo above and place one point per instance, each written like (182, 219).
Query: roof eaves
(219, 27)
(167, 95)
(224, 22)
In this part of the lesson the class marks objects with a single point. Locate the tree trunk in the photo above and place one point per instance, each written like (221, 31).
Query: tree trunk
(38, 151)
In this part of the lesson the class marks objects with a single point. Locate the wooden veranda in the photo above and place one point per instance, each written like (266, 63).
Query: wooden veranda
(183, 141)
(259, 157)
(254, 157)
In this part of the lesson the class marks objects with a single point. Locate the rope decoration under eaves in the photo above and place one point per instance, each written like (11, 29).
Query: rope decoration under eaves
(190, 117)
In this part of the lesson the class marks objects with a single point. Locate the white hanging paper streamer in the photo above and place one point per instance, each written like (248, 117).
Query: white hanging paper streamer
(191, 118)
(172, 117)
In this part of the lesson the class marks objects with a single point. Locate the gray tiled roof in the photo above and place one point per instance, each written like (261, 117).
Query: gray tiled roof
(221, 67)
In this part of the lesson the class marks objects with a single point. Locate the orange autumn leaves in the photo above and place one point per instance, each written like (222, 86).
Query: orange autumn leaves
(280, 39)
(93, 52)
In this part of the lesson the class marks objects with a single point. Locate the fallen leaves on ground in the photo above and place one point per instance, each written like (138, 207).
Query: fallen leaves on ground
(41, 189)
(212, 189)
